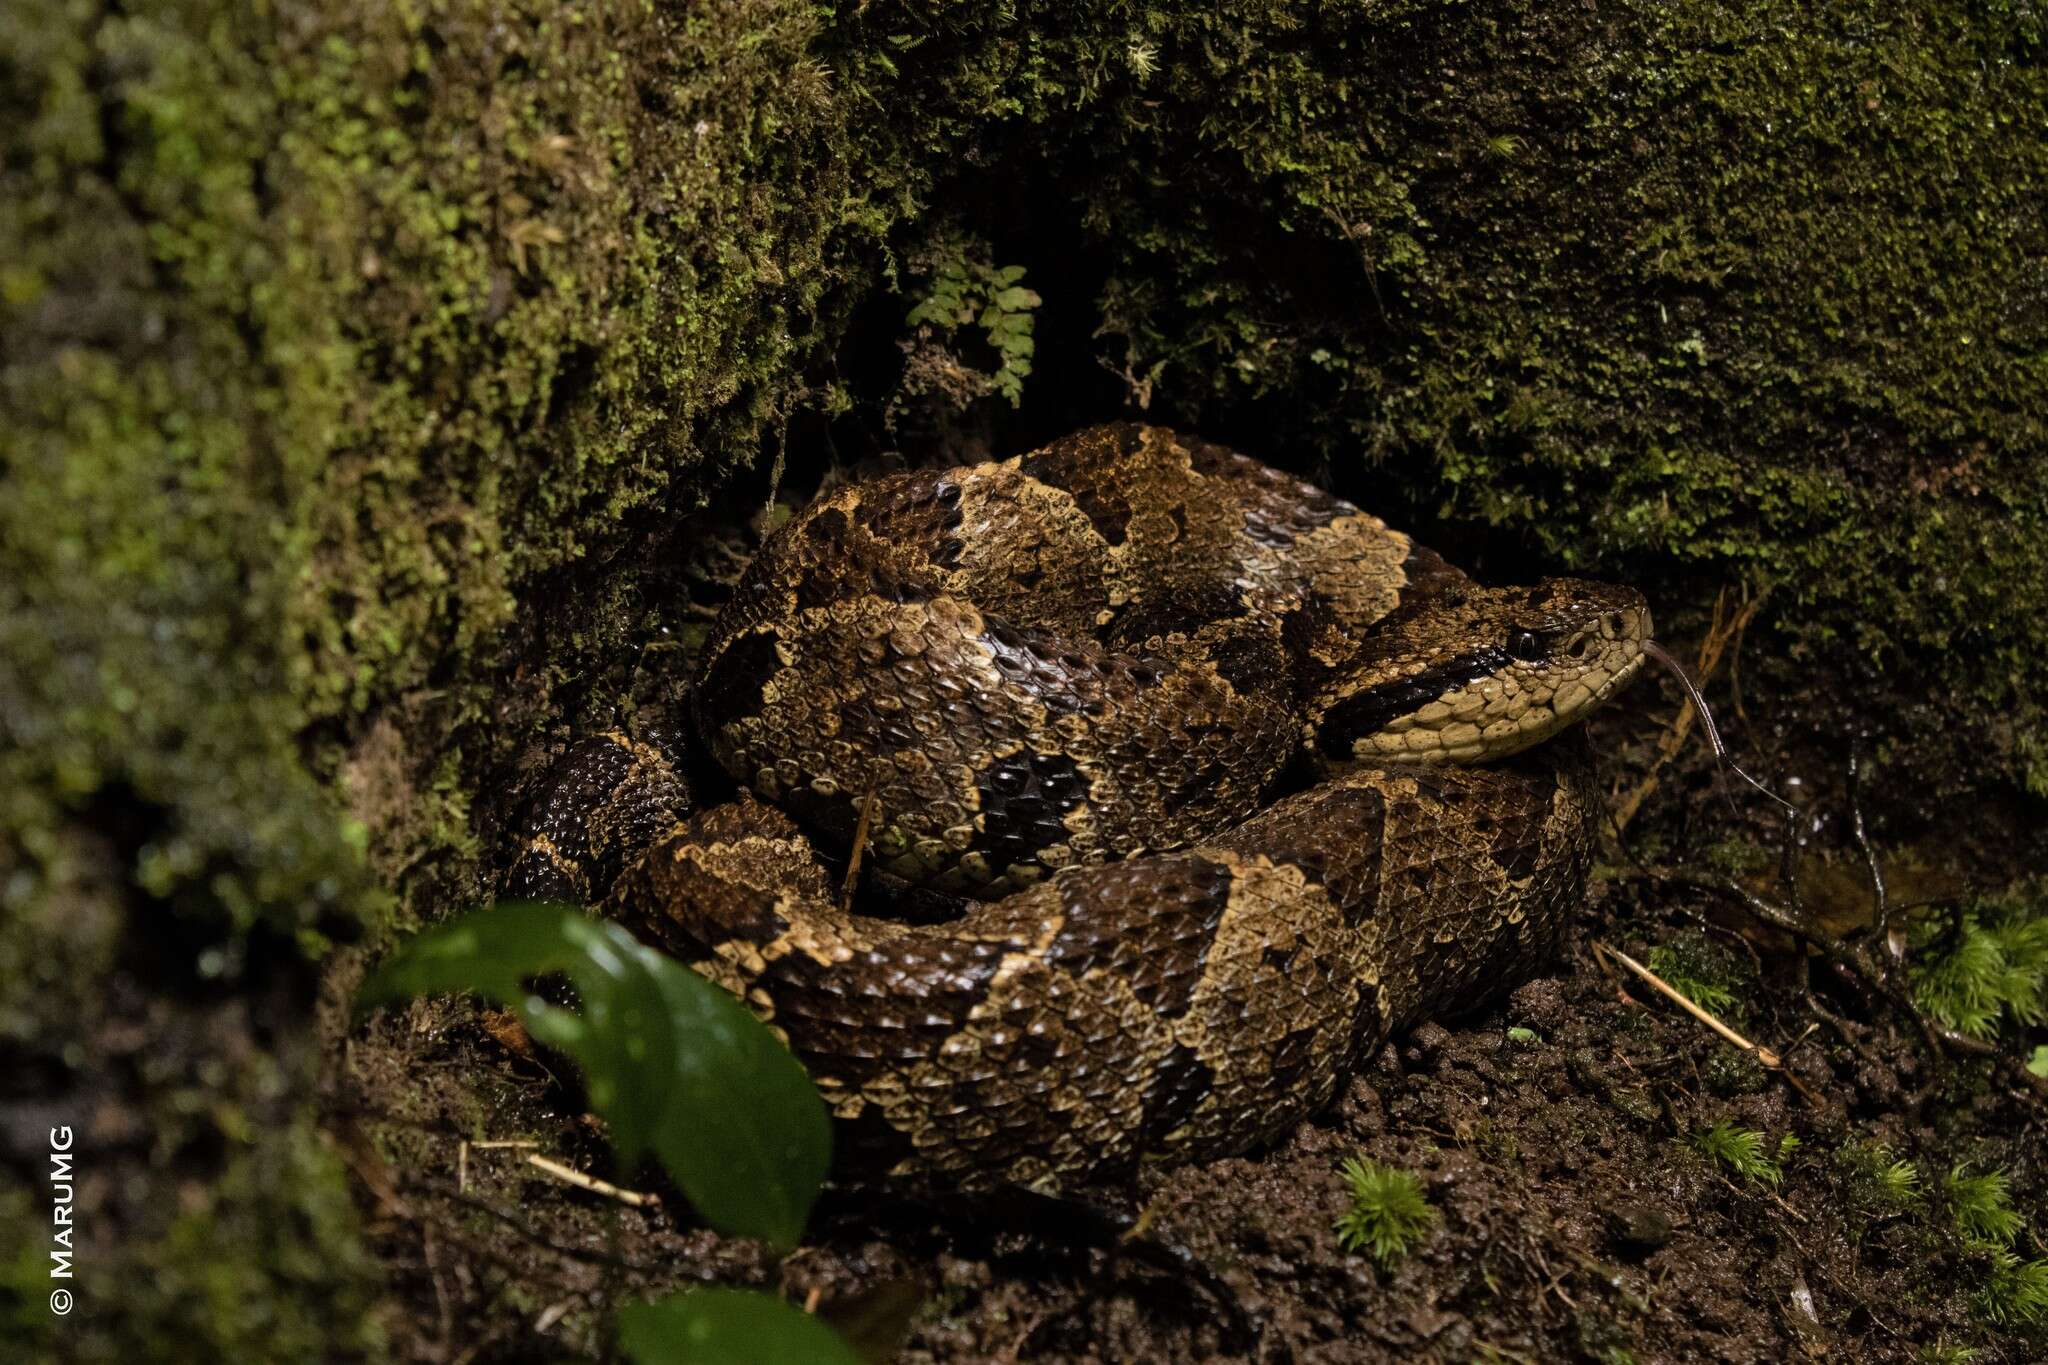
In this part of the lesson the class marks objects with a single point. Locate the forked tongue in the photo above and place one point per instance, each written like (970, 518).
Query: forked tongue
(1699, 704)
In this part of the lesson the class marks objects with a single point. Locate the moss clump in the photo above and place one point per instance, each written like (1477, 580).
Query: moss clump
(1387, 1213)
(260, 1261)
(1743, 1151)
(1880, 1181)
(1709, 976)
(1981, 1205)
(2013, 1291)
(1988, 965)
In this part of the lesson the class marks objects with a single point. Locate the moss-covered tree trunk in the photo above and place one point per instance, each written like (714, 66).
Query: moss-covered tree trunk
(346, 357)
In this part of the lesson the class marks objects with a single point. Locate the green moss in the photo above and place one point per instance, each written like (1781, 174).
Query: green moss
(1880, 1182)
(1741, 1150)
(1706, 974)
(1989, 967)
(2013, 1289)
(258, 1262)
(1387, 1213)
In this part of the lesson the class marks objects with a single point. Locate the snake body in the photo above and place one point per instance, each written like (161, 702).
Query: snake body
(1063, 689)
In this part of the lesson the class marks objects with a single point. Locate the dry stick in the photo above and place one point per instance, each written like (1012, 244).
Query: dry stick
(376, 1176)
(1606, 970)
(571, 1176)
(1611, 1277)
(1763, 1054)
(860, 844)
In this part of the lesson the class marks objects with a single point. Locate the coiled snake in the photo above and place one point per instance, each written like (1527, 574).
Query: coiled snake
(1065, 687)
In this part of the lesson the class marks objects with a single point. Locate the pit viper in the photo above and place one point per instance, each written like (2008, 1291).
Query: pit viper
(1198, 783)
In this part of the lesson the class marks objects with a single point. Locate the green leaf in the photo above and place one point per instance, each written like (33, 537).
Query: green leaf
(2038, 1063)
(1017, 299)
(673, 1064)
(727, 1327)
(747, 1137)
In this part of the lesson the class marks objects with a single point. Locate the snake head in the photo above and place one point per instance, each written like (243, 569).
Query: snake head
(1465, 674)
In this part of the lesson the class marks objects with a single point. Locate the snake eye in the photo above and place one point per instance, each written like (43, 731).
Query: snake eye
(1525, 645)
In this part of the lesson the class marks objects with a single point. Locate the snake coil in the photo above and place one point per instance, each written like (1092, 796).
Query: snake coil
(1065, 688)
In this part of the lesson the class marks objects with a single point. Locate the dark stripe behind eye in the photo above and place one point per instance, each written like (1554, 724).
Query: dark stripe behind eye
(1370, 711)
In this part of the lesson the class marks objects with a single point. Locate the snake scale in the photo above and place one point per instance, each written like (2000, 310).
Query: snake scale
(1065, 688)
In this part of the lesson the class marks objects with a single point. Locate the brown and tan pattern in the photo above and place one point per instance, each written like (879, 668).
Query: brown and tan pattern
(1071, 685)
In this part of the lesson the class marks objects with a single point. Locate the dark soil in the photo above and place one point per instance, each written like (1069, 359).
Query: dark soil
(1574, 1218)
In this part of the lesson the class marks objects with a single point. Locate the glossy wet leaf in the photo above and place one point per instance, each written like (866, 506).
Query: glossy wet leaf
(675, 1066)
(728, 1327)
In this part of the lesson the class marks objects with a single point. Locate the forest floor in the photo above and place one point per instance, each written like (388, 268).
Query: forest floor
(1555, 1134)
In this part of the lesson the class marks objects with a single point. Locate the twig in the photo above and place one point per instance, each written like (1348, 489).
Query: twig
(569, 1175)
(860, 844)
(1502, 1352)
(1762, 1054)
(1014, 1352)
(443, 1311)
(1611, 1277)
(1620, 991)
